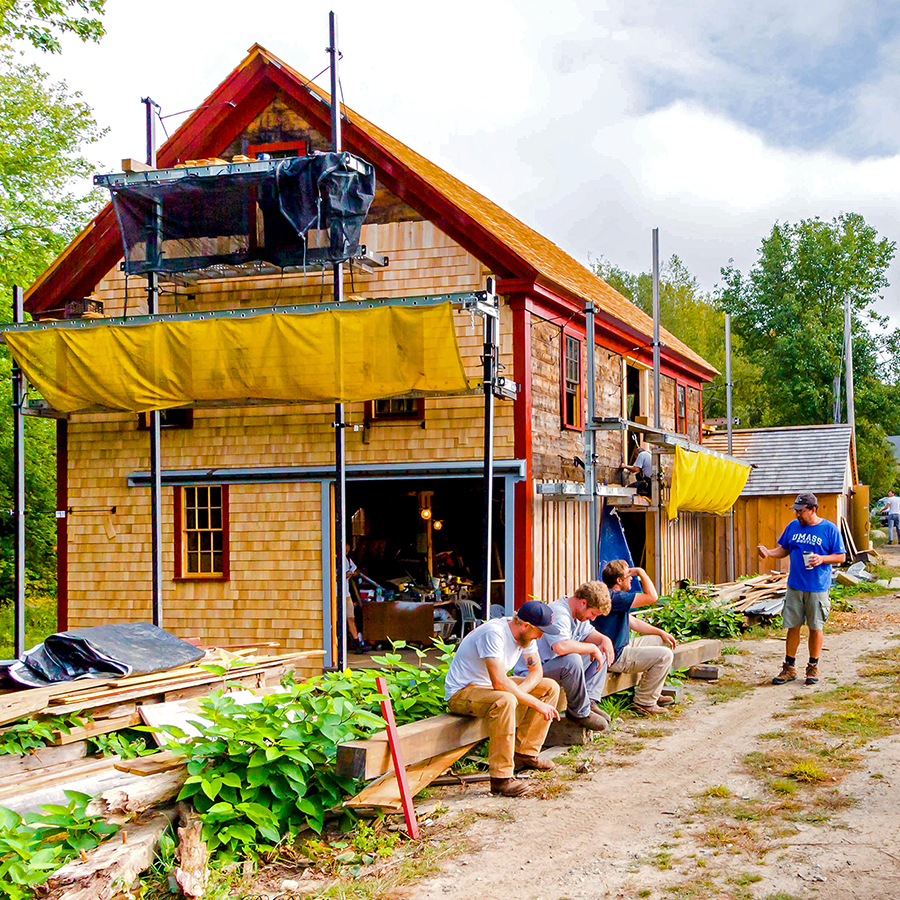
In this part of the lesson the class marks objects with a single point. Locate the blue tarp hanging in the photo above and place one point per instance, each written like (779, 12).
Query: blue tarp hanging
(612, 542)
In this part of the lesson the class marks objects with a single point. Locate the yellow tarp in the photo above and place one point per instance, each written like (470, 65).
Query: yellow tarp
(704, 483)
(328, 357)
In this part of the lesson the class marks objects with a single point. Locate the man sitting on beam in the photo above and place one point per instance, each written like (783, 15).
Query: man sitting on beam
(577, 657)
(519, 709)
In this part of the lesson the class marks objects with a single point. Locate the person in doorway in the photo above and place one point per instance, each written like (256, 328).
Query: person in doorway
(891, 503)
(519, 710)
(357, 644)
(643, 468)
(814, 545)
(649, 654)
(578, 656)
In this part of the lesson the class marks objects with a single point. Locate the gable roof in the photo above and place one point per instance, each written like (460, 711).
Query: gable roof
(791, 459)
(511, 248)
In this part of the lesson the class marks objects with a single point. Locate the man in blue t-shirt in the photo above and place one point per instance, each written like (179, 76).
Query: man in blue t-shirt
(650, 653)
(813, 544)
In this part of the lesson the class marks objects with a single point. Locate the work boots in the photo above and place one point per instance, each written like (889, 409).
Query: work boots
(592, 721)
(523, 761)
(787, 673)
(812, 674)
(508, 787)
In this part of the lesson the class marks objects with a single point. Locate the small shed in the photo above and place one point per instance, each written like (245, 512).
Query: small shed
(786, 460)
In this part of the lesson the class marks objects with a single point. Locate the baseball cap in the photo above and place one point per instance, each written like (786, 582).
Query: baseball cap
(805, 501)
(538, 614)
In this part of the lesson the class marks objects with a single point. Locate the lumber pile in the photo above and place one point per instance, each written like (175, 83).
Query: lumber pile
(739, 596)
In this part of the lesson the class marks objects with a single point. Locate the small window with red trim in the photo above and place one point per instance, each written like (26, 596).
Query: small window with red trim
(571, 382)
(201, 532)
(277, 150)
(396, 409)
(681, 409)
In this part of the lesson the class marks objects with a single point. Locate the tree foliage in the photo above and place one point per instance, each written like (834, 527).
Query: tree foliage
(789, 311)
(46, 129)
(787, 319)
(42, 22)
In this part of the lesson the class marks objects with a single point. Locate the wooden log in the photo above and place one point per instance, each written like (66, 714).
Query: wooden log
(565, 733)
(124, 803)
(192, 873)
(115, 864)
(16, 764)
(384, 792)
(103, 726)
(163, 761)
(704, 673)
(59, 775)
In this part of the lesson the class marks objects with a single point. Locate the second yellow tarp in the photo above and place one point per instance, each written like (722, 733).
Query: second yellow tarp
(705, 483)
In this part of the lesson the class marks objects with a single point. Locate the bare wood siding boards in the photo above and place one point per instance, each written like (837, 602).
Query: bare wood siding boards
(560, 547)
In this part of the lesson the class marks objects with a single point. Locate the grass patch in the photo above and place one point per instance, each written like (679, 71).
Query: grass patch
(717, 790)
(725, 689)
(803, 759)
(853, 712)
(881, 663)
(735, 651)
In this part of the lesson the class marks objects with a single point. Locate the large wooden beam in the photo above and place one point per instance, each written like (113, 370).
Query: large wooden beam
(430, 737)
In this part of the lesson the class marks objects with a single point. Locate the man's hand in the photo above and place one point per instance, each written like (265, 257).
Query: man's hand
(668, 640)
(814, 560)
(636, 572)
(762, 551)
(606, 645)
(597, 655)
(546, 710)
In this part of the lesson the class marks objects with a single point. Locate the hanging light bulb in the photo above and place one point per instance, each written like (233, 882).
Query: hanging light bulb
(425, 513)
(437, 525)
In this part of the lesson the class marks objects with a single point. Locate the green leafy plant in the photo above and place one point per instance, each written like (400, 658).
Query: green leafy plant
(36, 846)
(120, 743)
(32, 734)
(692, 613)
(263, 771)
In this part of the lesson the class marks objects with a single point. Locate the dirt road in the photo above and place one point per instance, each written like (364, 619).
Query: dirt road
(674, 809)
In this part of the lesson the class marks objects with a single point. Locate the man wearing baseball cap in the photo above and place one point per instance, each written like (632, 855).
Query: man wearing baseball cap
(519, 710)
(813, 544)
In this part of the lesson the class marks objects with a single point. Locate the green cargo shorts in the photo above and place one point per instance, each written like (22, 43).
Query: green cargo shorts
(810, 607)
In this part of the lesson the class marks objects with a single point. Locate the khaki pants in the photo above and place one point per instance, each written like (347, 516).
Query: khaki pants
(646, 654)
(512, 726)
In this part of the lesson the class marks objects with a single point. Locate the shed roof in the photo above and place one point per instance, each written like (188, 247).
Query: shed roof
(490, 232)
(790, 459)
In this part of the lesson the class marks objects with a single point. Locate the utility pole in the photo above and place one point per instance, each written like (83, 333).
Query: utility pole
(657, 418)
(730, 418)
(848, 356)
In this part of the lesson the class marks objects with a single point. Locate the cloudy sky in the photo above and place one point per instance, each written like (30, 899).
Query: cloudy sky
(591, 122)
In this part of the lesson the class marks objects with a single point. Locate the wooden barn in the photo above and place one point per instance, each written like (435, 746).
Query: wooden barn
(256, 480)
(787, 460)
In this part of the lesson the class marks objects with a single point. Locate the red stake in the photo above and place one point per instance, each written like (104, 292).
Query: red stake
(409, 810)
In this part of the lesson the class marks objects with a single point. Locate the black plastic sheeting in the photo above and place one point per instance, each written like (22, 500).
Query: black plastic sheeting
(105, 651)
(302, 210)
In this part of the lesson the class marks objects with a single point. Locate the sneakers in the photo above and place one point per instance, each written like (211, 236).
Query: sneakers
(508, 787)
(812, 674)
(665, 700)
(592, 721)
(521, 761)
(787, 673)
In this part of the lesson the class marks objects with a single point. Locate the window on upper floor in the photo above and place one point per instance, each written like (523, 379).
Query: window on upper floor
(168, 418)
(396, 409)
(277, 150)
(201, 532)
(571, 378)
(681, 425)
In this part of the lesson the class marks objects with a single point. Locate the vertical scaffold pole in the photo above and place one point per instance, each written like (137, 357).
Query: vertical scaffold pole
(590, 445)
(657, 420)
(489, 377)
(730, 417)
(18, 401)
(340, 480)
(153, 417)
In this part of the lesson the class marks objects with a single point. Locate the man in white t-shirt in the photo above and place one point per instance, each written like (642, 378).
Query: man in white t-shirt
(579, 655)
(519, 709)
(892, 504)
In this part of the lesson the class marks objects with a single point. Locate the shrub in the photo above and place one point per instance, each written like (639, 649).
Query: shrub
(693, 613)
